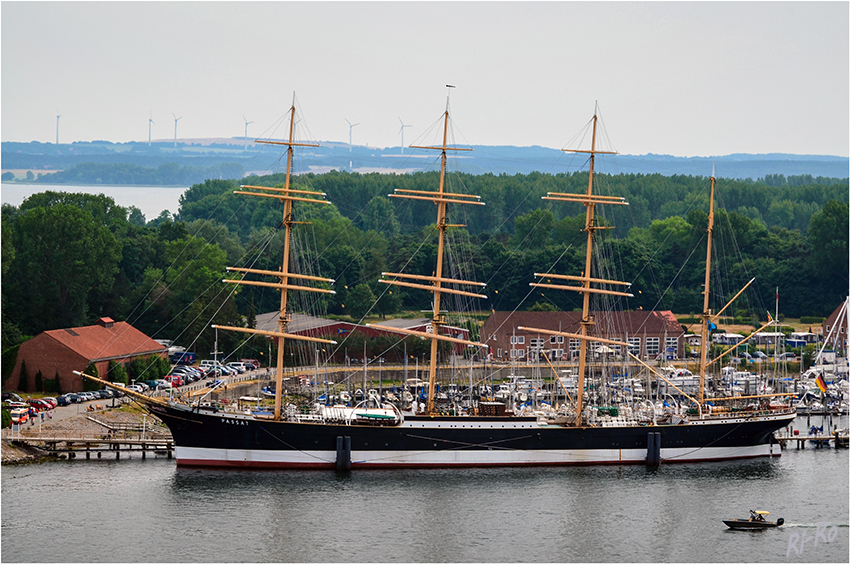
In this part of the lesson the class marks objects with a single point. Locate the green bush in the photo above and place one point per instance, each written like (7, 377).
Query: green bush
(7, 419)
(812, 320)
(7, 364)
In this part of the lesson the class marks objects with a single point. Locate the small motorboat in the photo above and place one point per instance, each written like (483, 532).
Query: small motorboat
(757, 521)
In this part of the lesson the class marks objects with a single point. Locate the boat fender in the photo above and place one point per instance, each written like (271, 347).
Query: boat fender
(779, 522)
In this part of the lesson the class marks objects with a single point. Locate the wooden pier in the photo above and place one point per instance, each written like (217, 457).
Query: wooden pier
(839, 438)
(98, 446)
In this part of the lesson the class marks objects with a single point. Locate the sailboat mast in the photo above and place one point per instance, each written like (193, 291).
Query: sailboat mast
(436, 320)
(706, 312)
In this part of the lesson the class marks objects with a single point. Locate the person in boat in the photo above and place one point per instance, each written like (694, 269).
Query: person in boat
(756, 516)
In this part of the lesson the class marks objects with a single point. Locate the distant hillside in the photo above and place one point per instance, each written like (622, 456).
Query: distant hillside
(332, 155)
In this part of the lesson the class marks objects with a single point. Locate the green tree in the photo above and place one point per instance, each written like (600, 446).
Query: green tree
(90, 385)
(828, 232)
(360, 301)
(63, 258)
(543, 306)
(135, 216)
(8, 175)
(533, 229)
(117, 372)
(57, 384)
(39, 381)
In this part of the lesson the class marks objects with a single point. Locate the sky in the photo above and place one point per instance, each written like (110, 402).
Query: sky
(675, 78)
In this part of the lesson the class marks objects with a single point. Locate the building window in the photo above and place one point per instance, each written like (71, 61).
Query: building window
(517, 340)
(634, 345)
(671, 344)
(498, 353)
(513, 353)
(520, 353)
(575, 344)
(553, 339)
(536, 343)
(652, 344)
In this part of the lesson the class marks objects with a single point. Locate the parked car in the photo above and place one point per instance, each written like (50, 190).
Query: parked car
(759, 354)
(136, 388)
(9, 404)
(787, 356)
(39, 404)
(51, 401)
(72, 397)
(251, 363)
(239, 366)
(12, 396)
(62, 401)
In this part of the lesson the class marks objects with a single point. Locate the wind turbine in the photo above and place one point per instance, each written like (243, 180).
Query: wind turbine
(246, 132)
(57, 126)
(150, 121)
(350, 127)
(402, 134)
(176, 119)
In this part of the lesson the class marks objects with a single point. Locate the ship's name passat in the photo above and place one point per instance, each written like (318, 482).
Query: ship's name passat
(233, 421)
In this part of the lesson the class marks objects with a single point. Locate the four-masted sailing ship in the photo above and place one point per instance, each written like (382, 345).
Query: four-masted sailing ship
(383, 436)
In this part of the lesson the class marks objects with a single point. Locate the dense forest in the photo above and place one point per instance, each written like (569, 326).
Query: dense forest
(167, 174)
(68, 259)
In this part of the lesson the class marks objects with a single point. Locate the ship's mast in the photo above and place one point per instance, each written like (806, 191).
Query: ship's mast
(441, 198)
(590, 201)
(288, 196)
(706, 313)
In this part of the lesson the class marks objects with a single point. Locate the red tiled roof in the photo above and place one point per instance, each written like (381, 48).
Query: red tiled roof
(98, 342)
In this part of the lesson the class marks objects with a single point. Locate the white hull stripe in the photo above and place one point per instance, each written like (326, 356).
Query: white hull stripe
(191, 456)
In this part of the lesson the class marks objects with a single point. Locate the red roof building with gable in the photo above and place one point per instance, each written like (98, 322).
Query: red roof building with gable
(61, 351)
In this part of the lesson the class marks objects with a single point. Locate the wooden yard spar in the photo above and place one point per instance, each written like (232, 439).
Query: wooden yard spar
(590, 201)
(288, 196)
(441, 198)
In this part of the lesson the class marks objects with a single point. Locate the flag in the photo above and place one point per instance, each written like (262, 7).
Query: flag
(769, 318)
(820, 382)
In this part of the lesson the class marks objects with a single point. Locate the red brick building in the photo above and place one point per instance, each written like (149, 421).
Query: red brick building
(62, 351)
(649, 333)
(319, 327)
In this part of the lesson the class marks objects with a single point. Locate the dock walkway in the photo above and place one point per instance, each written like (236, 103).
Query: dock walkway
(839, 438)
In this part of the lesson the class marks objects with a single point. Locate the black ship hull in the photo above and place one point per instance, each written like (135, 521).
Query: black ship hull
(220, 439)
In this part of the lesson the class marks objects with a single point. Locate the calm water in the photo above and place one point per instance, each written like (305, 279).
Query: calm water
(149, 510)
(151, 200)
